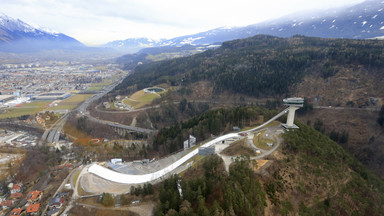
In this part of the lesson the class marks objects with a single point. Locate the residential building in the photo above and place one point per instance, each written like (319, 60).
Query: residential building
(40, 120)
(33, 209)
(34, 196)
(16, 188)
(63, 194)
(16, 212)
(6, 204)
(16, 195)
(56, 202)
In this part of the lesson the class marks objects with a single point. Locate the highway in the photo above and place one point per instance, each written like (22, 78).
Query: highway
(52, 135)
(125, 127)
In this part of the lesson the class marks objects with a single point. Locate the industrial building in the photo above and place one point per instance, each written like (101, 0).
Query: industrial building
(52, 96)
(6, 98)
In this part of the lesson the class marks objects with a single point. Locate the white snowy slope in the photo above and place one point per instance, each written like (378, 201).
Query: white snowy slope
(139, 179)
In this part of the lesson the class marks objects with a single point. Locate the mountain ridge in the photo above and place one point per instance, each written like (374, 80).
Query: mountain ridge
(361, 21)
(19, 36)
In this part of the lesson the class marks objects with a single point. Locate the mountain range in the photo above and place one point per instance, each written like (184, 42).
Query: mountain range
(361, 21)
(18, 36)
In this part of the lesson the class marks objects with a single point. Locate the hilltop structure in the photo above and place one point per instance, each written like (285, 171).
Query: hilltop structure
(293, 105)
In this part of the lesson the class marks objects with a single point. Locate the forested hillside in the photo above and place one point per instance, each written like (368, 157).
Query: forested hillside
(211, 123)
(262, 65)
(310, 175)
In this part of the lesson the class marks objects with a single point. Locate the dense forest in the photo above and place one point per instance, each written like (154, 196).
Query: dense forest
(211, 123)
(261, 65)
(315, 176)
(214, 193)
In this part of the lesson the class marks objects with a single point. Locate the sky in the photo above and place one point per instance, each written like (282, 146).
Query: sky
(96, 22)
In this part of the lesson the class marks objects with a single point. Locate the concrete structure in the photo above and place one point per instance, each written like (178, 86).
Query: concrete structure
(6, 98)
(123, 178)
(189, 142)
(52, 96)
(293, 105)
(118, 177)
(116, 160)
(154, 90)
(206, 151)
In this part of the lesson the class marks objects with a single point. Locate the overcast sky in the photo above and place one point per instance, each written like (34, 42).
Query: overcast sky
(95, 22)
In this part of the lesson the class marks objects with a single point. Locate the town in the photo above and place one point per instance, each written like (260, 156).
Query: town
(50, 80)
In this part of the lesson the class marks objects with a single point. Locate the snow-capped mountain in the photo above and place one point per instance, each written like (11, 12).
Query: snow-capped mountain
(360, 21)
(133, 44)
(18, 36)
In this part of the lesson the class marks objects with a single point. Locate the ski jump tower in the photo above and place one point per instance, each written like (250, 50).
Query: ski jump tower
(293, 105)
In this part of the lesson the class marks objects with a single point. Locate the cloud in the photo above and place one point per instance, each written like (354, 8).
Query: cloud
(99, 21)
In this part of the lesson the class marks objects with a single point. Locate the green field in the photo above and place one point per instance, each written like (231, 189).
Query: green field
(98, 86)
(106, 82)
(261, 142)
(71, 102)
(25, 109)
(140, 99)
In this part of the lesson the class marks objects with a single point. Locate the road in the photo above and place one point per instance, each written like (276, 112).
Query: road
(74, 186)
(58, 189)
(348, 108)
(52, 135)
(126, 127)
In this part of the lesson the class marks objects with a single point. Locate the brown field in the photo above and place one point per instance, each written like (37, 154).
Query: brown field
(239, 148)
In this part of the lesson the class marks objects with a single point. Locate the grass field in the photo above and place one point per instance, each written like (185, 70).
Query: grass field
(140, 99)
(239, 148)
(98, 86)
(25, 109)
(261, 142)
(76, 176)
(71, 102)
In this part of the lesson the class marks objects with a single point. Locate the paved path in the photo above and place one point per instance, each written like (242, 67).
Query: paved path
(74, 186)
(264, 153)
(348, 108)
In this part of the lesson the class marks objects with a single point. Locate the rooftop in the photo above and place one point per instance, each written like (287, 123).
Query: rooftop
(16, 212)
(3, 97)
(33, 208)
(33, 195)
(294, 101)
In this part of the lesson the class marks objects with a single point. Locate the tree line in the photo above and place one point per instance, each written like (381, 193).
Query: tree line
(260, 65)
(208, 124)
(213, 193)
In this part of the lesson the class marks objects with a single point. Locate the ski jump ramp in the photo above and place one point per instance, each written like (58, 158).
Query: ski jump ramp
(123, 178)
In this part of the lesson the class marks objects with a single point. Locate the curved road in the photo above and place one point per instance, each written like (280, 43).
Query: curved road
(52, 134)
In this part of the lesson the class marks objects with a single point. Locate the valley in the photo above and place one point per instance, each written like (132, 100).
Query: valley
(281, 117)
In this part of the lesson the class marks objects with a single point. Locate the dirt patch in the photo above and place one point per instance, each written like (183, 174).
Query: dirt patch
(143, 209)
(260, 164)
(86, 210)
